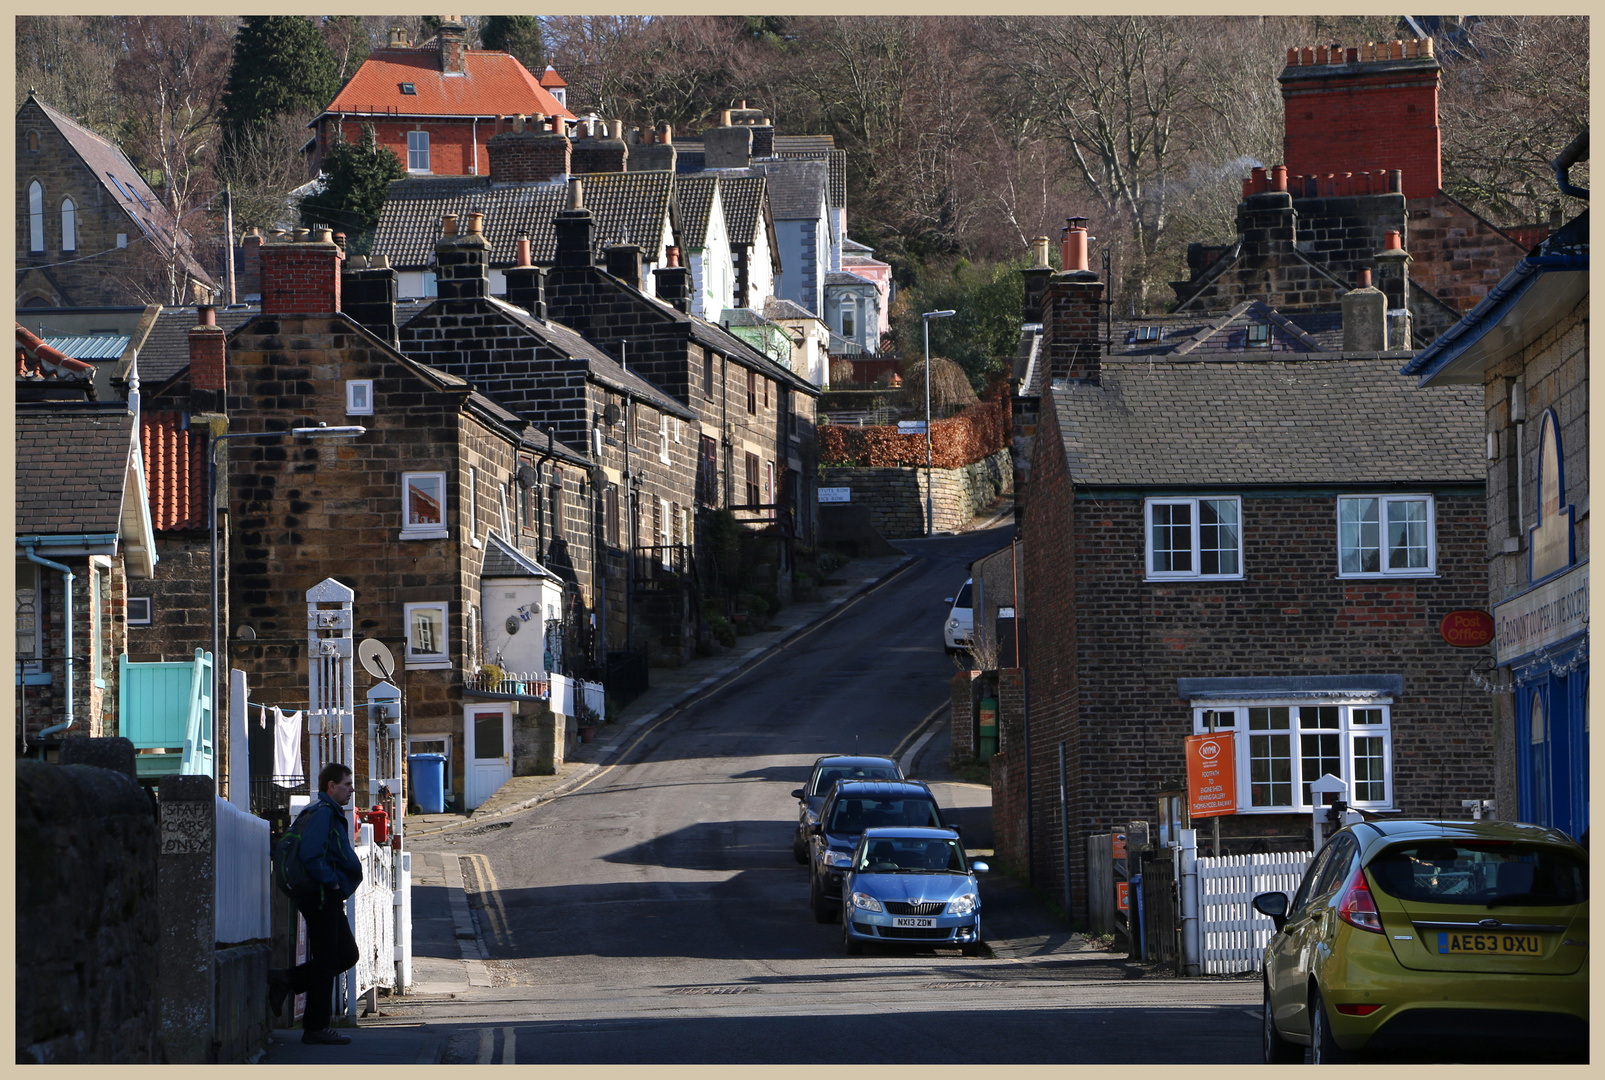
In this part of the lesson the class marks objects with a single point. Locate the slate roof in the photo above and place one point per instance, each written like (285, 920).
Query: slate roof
(129, 191)
(743, 199)
(842, 277)
(836, 160)
(796, 187)
(72, 461)
(494, 83)
(693, 199)
(778, 308)
(503, 561)
(166, 349)
(625, 207)
(1158, 423)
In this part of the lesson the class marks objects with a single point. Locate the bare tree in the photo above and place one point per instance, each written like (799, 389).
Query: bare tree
(264, 168)
(68, 61)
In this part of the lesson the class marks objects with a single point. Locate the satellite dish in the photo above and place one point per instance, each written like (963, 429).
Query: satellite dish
(526, 476)
(376, 658)
(611, 414)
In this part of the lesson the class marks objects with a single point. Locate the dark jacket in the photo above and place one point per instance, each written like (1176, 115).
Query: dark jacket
(326, 850)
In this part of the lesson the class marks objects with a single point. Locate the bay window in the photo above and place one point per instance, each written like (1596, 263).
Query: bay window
(1282, 747)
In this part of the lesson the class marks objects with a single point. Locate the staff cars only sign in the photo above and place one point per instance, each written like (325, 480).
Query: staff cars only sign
(1211, 775)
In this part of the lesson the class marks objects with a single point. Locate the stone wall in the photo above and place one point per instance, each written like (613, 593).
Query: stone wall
(87, 928)
(896, 496)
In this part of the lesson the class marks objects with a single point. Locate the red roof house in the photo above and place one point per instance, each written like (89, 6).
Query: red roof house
(435, 104)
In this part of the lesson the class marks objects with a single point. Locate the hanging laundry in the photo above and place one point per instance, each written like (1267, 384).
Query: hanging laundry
(287, 748)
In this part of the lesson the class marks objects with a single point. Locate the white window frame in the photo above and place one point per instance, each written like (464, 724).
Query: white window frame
(663, 438)
(143, 606)
(1195, 531)
(506, 517)
(359, 397)
(1384, 504)
(36, 216)
(439, 656)
(425, 530)
(417, 150)
(473, 505)
(69, 225)
(1352, 725)
(665, 532)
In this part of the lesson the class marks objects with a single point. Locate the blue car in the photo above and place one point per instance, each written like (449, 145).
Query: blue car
(911, 886)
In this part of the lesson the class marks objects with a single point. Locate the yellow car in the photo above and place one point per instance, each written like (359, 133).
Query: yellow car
(1458, 940)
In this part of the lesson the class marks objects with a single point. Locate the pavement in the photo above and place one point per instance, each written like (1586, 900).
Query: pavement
(448, 956)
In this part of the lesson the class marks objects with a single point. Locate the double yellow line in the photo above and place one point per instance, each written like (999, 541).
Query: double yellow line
(491, 899)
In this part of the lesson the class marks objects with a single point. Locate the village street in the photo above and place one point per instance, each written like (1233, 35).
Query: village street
(656, 914)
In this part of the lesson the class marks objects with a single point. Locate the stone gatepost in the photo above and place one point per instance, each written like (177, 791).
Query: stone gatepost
(186, 899)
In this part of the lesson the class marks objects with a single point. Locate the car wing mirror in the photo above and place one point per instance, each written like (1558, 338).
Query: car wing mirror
(1274, 906)
(798, 794)
(979, 867)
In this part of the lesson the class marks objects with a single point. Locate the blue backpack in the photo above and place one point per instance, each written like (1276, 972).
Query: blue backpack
(289, 872)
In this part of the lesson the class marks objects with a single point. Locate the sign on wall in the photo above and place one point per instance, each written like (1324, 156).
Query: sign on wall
(1467, 628)
(1553, 612)
(1211, 775)
(835, 494)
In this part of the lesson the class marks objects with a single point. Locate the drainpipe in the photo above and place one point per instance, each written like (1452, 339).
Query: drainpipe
(67, 576)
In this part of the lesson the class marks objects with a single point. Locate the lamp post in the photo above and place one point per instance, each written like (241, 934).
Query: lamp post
(930, 511)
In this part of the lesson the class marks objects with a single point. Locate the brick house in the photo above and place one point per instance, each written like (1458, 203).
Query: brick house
(83, 529)
(1253, 540)
(435, 105)
(755, 418)
(400, 514)
(1526, 346)
(90, 231)
(643, 440)
(1362, 158)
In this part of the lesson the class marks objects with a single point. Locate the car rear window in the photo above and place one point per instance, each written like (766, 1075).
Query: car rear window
(1481, 872)
(856, 815)
(828, 777)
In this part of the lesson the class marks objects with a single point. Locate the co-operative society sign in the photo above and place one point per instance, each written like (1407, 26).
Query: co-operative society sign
(1211, 775)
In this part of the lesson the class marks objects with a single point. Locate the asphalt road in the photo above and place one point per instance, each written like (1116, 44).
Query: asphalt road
(657, 914)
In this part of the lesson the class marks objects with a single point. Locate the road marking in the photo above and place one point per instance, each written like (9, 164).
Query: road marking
(509, 1046)
(678, 709)
(490, 893)
(487, 1046)
(907, 760)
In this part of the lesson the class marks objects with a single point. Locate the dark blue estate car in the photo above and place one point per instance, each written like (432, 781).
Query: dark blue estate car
(827, 770)
(851, 807)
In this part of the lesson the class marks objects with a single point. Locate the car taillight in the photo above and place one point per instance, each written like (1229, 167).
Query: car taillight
(1356, 906)
(1358, 1010)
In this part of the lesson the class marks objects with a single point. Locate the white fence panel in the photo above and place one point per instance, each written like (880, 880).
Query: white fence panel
(373, 918)
(561, 696)
(596, 699)
(244, 891)
(1234, 934)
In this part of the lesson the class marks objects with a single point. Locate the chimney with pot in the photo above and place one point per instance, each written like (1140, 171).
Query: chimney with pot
(462, 259)
(528, 154)
(674, 282)
(526, 284)
(604, 150)
(573, 228)
(301, 276)
(368, 295)
(206, 358)
(1072, 325)
(450, 41)
(655, 153)
(624, 263)
(1362, 109)
(1036, 281)
(1365, 317)
(1393, 273)
(728, 146)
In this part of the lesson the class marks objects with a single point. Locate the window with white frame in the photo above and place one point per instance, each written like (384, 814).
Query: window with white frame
(359, 397)
(473, 505)
(506, 516)
(139, 611)
(418, 151)
(1284, 747)
(1382, 535)
(29, 634)
(426, 634)
(423, 505)
(1194, 538)
(663, 438)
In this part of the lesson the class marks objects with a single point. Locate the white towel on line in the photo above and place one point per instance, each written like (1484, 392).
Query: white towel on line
(286, 746)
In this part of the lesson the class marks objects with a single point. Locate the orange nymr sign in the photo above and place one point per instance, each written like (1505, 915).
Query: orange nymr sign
(1211, 775)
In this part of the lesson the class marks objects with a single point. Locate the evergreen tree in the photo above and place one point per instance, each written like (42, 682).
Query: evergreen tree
(281, 64)
(356, 177)
(516, 34)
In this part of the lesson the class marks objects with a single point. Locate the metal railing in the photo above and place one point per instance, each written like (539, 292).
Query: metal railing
(663, 564)
(522, 684)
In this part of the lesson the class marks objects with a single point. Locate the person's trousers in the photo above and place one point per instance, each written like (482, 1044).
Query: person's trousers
(331, 950)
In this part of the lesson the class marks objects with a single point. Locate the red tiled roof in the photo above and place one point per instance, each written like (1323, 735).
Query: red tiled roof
(36, 360)
(175, 472)
(550, 78)
(495, 84)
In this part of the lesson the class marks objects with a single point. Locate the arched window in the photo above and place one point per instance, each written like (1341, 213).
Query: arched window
(36, 217)
(33, 142)
(69, 226)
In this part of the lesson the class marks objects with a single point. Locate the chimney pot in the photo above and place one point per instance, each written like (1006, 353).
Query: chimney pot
(1292, 58)
(576, 194)
(476, 223)
(300, 235)
(518, 123)
(1279, 178)
(1365, 278)
(1040, 247)
(448, 225)
(523, 250)
(1073, 248)
(665, 132)
(1393, 241)
(1426, 47)
(208, 315)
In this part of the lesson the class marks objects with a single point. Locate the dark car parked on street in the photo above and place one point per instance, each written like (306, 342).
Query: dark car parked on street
(827, 770)
(851, 807)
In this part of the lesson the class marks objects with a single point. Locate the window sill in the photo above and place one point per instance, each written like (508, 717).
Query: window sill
(1386, 577)
(1305, 810)
(428, 665)
(474, 542)
(421, 534)
(1197, 577)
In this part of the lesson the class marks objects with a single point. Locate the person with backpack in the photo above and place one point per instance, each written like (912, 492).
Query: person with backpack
(332, 873)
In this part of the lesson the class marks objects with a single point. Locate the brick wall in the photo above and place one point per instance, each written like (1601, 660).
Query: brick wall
(301, 278)
(527, 156)
(1456, 255)
(961, 711)
(1010, 842)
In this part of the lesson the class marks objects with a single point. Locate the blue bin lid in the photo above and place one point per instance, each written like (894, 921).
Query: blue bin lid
(426, 757)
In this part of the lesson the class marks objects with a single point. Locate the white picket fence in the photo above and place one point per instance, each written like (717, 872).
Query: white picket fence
(1233, 934)
(373, 920)
(244, 889)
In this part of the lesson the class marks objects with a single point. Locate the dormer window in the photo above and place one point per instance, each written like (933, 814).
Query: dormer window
(408, 88)
(1259, 335)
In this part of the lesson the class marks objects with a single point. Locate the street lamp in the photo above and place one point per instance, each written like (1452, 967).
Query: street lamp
(322, 431)
(930, 511)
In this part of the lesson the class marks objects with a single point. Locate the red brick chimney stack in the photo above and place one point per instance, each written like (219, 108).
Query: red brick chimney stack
(206, 354)
(1382, 97)
(301, 276)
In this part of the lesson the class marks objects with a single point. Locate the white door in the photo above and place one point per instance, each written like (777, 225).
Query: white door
(488, 751)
